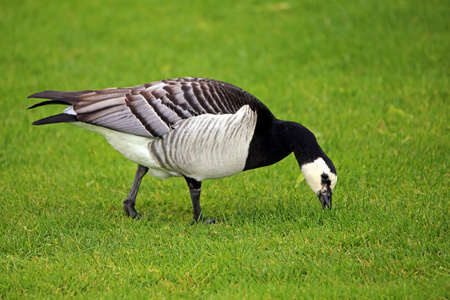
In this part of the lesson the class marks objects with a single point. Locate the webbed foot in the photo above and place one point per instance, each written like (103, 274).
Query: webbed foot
(128, 207)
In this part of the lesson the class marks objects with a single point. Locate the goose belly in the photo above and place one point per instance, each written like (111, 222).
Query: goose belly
(133, 147)
(207, 146)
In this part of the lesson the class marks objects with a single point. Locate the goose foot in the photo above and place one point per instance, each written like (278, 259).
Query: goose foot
(128, 207)
(128, 204)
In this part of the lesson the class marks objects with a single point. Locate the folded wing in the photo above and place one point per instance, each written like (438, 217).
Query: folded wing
(151, 109)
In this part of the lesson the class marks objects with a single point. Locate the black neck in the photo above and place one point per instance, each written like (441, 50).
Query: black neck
(275, 139)
(306, 148)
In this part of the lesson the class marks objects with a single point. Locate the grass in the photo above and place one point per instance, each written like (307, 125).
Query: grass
(369, 78)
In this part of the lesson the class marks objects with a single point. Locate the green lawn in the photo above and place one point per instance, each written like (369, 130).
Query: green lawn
(370, 78)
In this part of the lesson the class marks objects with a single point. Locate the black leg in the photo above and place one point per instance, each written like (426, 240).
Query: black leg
(128, 204)
(195, 189)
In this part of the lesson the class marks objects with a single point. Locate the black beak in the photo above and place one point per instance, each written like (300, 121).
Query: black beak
(325, 199)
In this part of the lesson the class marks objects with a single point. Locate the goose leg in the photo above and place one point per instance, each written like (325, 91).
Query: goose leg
(195, 189)
(128, 204)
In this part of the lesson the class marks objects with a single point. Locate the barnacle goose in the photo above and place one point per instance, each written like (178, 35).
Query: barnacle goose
(192, 127)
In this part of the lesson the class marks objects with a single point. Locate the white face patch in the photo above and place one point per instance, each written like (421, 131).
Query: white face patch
(313, 171)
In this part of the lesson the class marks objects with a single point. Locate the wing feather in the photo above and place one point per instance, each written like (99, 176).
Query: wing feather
(145, 113)
(115, 118)
(83, 107)
(154, 108)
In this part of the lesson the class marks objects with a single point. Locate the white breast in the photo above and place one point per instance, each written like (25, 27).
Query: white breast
(202, 147)
(207, 146)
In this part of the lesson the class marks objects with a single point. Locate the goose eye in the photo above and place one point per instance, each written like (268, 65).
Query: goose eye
(325, 179)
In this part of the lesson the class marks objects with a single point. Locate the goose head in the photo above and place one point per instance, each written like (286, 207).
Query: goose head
(321, 177)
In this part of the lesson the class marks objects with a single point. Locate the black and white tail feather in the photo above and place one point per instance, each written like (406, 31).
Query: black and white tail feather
(192, 127)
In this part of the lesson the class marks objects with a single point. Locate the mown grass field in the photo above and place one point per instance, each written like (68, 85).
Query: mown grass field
(369, 78)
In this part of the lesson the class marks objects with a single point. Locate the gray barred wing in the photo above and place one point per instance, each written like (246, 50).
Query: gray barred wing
(154, 109)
